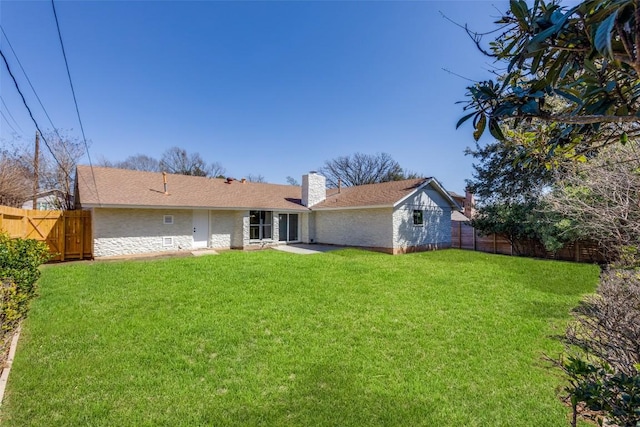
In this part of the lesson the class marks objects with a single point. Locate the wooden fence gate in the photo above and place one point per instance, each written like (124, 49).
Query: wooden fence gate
(67, 233)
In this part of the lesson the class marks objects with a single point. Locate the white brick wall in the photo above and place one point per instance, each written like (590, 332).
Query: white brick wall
(314, 189)
(304, 219)
(134, 231)
(355, 227)
(436, 231)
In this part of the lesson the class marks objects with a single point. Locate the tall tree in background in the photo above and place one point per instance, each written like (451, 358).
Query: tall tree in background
(255, 178)
(177, 160)
(602, 200)
(15, 180)
(139, 162)
(59, 157)
(586, 55)
(360, 169)
(509, 194)
(292, 181)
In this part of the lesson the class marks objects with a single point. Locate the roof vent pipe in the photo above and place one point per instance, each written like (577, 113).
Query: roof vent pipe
(164, 181)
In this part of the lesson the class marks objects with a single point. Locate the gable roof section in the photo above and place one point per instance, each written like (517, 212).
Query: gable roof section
(127, 188)
(386, 194)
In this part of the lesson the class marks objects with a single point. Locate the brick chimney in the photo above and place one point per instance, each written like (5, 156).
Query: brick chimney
(314, 188)
(469, 204)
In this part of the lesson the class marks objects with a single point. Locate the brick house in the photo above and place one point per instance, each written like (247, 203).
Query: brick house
(146, 212)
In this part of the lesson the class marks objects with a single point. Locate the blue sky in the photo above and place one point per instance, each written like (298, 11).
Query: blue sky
(269, 88)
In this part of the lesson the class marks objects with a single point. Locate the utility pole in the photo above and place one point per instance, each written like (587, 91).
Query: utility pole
(36, 157)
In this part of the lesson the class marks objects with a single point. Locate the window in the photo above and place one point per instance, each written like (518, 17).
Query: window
(418, 217)
(167, 241)
(168, 219)
(260, 225)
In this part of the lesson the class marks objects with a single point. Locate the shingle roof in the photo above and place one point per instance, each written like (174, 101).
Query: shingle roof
(120, 187)
(128, 188)
(383, 194)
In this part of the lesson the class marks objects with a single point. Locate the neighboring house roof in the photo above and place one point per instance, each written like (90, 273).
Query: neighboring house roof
(129, 188)
(456, 195)
(458, 216)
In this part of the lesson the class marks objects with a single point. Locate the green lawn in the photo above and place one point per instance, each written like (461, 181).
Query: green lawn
(347, 338)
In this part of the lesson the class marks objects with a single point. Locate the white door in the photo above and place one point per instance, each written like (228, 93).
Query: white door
(200, 229)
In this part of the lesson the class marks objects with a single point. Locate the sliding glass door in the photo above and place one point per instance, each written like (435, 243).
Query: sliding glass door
(288, 224)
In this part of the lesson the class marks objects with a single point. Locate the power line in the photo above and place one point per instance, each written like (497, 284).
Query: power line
(75, 101)
(24, 101)
(10, 115)
(55, 129)
(5, 119)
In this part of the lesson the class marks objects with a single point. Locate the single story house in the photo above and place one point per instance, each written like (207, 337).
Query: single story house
(141, 212)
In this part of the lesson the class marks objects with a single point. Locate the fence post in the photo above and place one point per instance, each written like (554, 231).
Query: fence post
(474, 239)
(80, 223)
(495, 244)
(62, 235)
(577, 249)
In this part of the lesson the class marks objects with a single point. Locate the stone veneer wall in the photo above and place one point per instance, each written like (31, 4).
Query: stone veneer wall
(371, 228)
(135, 231)
(222, 229)
(240, 237)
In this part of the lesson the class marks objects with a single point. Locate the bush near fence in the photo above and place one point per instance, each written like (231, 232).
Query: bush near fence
(19, 261)
(464, 236)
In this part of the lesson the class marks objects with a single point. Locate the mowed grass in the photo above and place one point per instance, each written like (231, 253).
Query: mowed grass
(348, 338)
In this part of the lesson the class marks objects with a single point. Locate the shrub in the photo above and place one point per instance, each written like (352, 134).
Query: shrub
(19, 261)
(604, 340)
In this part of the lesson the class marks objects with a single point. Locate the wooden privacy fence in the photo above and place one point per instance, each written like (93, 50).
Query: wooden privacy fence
(67, 233)
(464, 236)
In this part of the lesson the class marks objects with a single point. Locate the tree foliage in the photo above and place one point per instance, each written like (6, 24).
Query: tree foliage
(500, 177)
(16, 180)
(574, 71)
(174, 160)
(509, 195)
(603, 365)
(586, 55)
(256, 178)
(177, 160)
(58, 163)
(292, 181)
(139, 162)
(58, 155)
(601, 200)
(361, 169)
